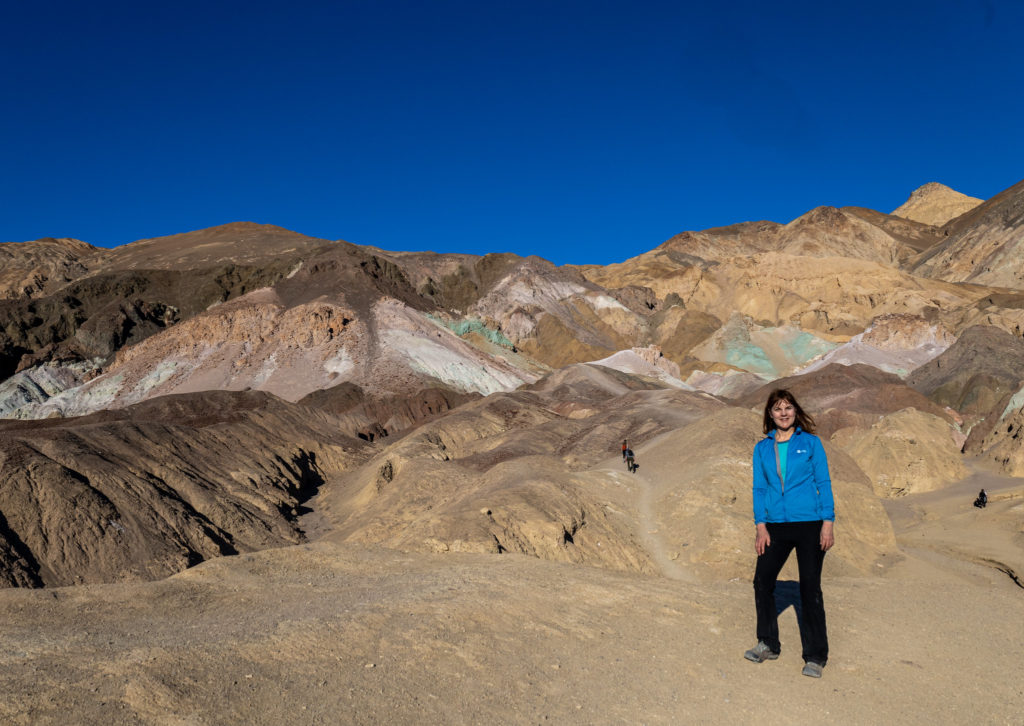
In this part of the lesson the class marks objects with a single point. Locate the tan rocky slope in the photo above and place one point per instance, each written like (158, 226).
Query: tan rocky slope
(983, 246)
(510, 473)
(935, 204)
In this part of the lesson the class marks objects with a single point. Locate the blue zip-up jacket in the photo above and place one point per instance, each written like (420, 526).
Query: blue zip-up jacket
(807, 493)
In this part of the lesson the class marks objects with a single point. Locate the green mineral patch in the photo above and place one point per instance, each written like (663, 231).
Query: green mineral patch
(158, 376)
(772, 351)
(1016, 402)
(801, 347)
(751, 358)
(471, 325)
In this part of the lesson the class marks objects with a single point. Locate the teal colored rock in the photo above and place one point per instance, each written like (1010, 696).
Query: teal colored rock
(471, 325)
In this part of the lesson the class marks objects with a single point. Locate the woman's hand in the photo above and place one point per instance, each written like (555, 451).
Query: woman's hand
(762, 540)
(827, 537)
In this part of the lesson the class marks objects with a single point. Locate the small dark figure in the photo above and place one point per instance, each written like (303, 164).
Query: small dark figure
(631, 464)
(982, 500)
(625, 447)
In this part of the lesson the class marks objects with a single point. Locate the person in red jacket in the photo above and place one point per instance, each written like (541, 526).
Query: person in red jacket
(793, 509)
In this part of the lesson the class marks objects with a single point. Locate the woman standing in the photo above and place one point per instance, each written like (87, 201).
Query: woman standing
(793, 509)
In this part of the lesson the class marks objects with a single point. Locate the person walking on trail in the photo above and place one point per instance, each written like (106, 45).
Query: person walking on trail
(631, 465)
(793, 509)
(625, 447)
(982, 500)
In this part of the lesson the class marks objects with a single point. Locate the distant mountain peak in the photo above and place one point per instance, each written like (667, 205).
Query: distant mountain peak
(935, 204)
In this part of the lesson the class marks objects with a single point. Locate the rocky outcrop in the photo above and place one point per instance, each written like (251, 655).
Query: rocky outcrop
(509, 474)
(95, 316)
(894, 343)
(906, 452)
(975, 373)
(1004, 443)
(984, 246)
(935, 204)
(832, 232)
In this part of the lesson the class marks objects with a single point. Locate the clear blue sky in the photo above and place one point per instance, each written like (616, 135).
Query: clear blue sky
(584, 132)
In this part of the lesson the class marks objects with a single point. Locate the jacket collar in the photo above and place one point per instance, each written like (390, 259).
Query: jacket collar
(797, 431)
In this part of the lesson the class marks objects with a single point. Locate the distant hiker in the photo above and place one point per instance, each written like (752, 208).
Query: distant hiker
(625, 448)
(793, 509)
(982, 500)
(630, 461)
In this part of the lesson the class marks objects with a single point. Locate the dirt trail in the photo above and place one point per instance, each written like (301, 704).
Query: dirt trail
(650, 532)
(644, 495)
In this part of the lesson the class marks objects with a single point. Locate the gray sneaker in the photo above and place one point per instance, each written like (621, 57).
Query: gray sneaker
(812, 669)
(760, 653)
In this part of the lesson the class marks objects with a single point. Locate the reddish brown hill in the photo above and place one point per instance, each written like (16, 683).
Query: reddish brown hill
(28, 268)
(240, 243)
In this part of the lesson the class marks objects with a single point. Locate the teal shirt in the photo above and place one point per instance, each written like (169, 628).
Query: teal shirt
(783, 455)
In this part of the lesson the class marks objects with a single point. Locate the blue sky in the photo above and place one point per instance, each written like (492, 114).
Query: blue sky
(585, 132)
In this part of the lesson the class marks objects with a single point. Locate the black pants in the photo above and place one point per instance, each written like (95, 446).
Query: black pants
(805, 537)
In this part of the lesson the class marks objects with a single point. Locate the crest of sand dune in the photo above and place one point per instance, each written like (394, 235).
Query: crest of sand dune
(906, 452)
(935, 204)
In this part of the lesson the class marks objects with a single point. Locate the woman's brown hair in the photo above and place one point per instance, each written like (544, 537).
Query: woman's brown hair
(803, 420)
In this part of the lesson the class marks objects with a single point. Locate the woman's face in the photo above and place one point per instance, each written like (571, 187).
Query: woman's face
(784, 415)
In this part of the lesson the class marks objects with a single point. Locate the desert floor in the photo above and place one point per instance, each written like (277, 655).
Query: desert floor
(325, 633)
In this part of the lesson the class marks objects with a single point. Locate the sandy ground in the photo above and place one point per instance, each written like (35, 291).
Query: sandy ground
(332, 634)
